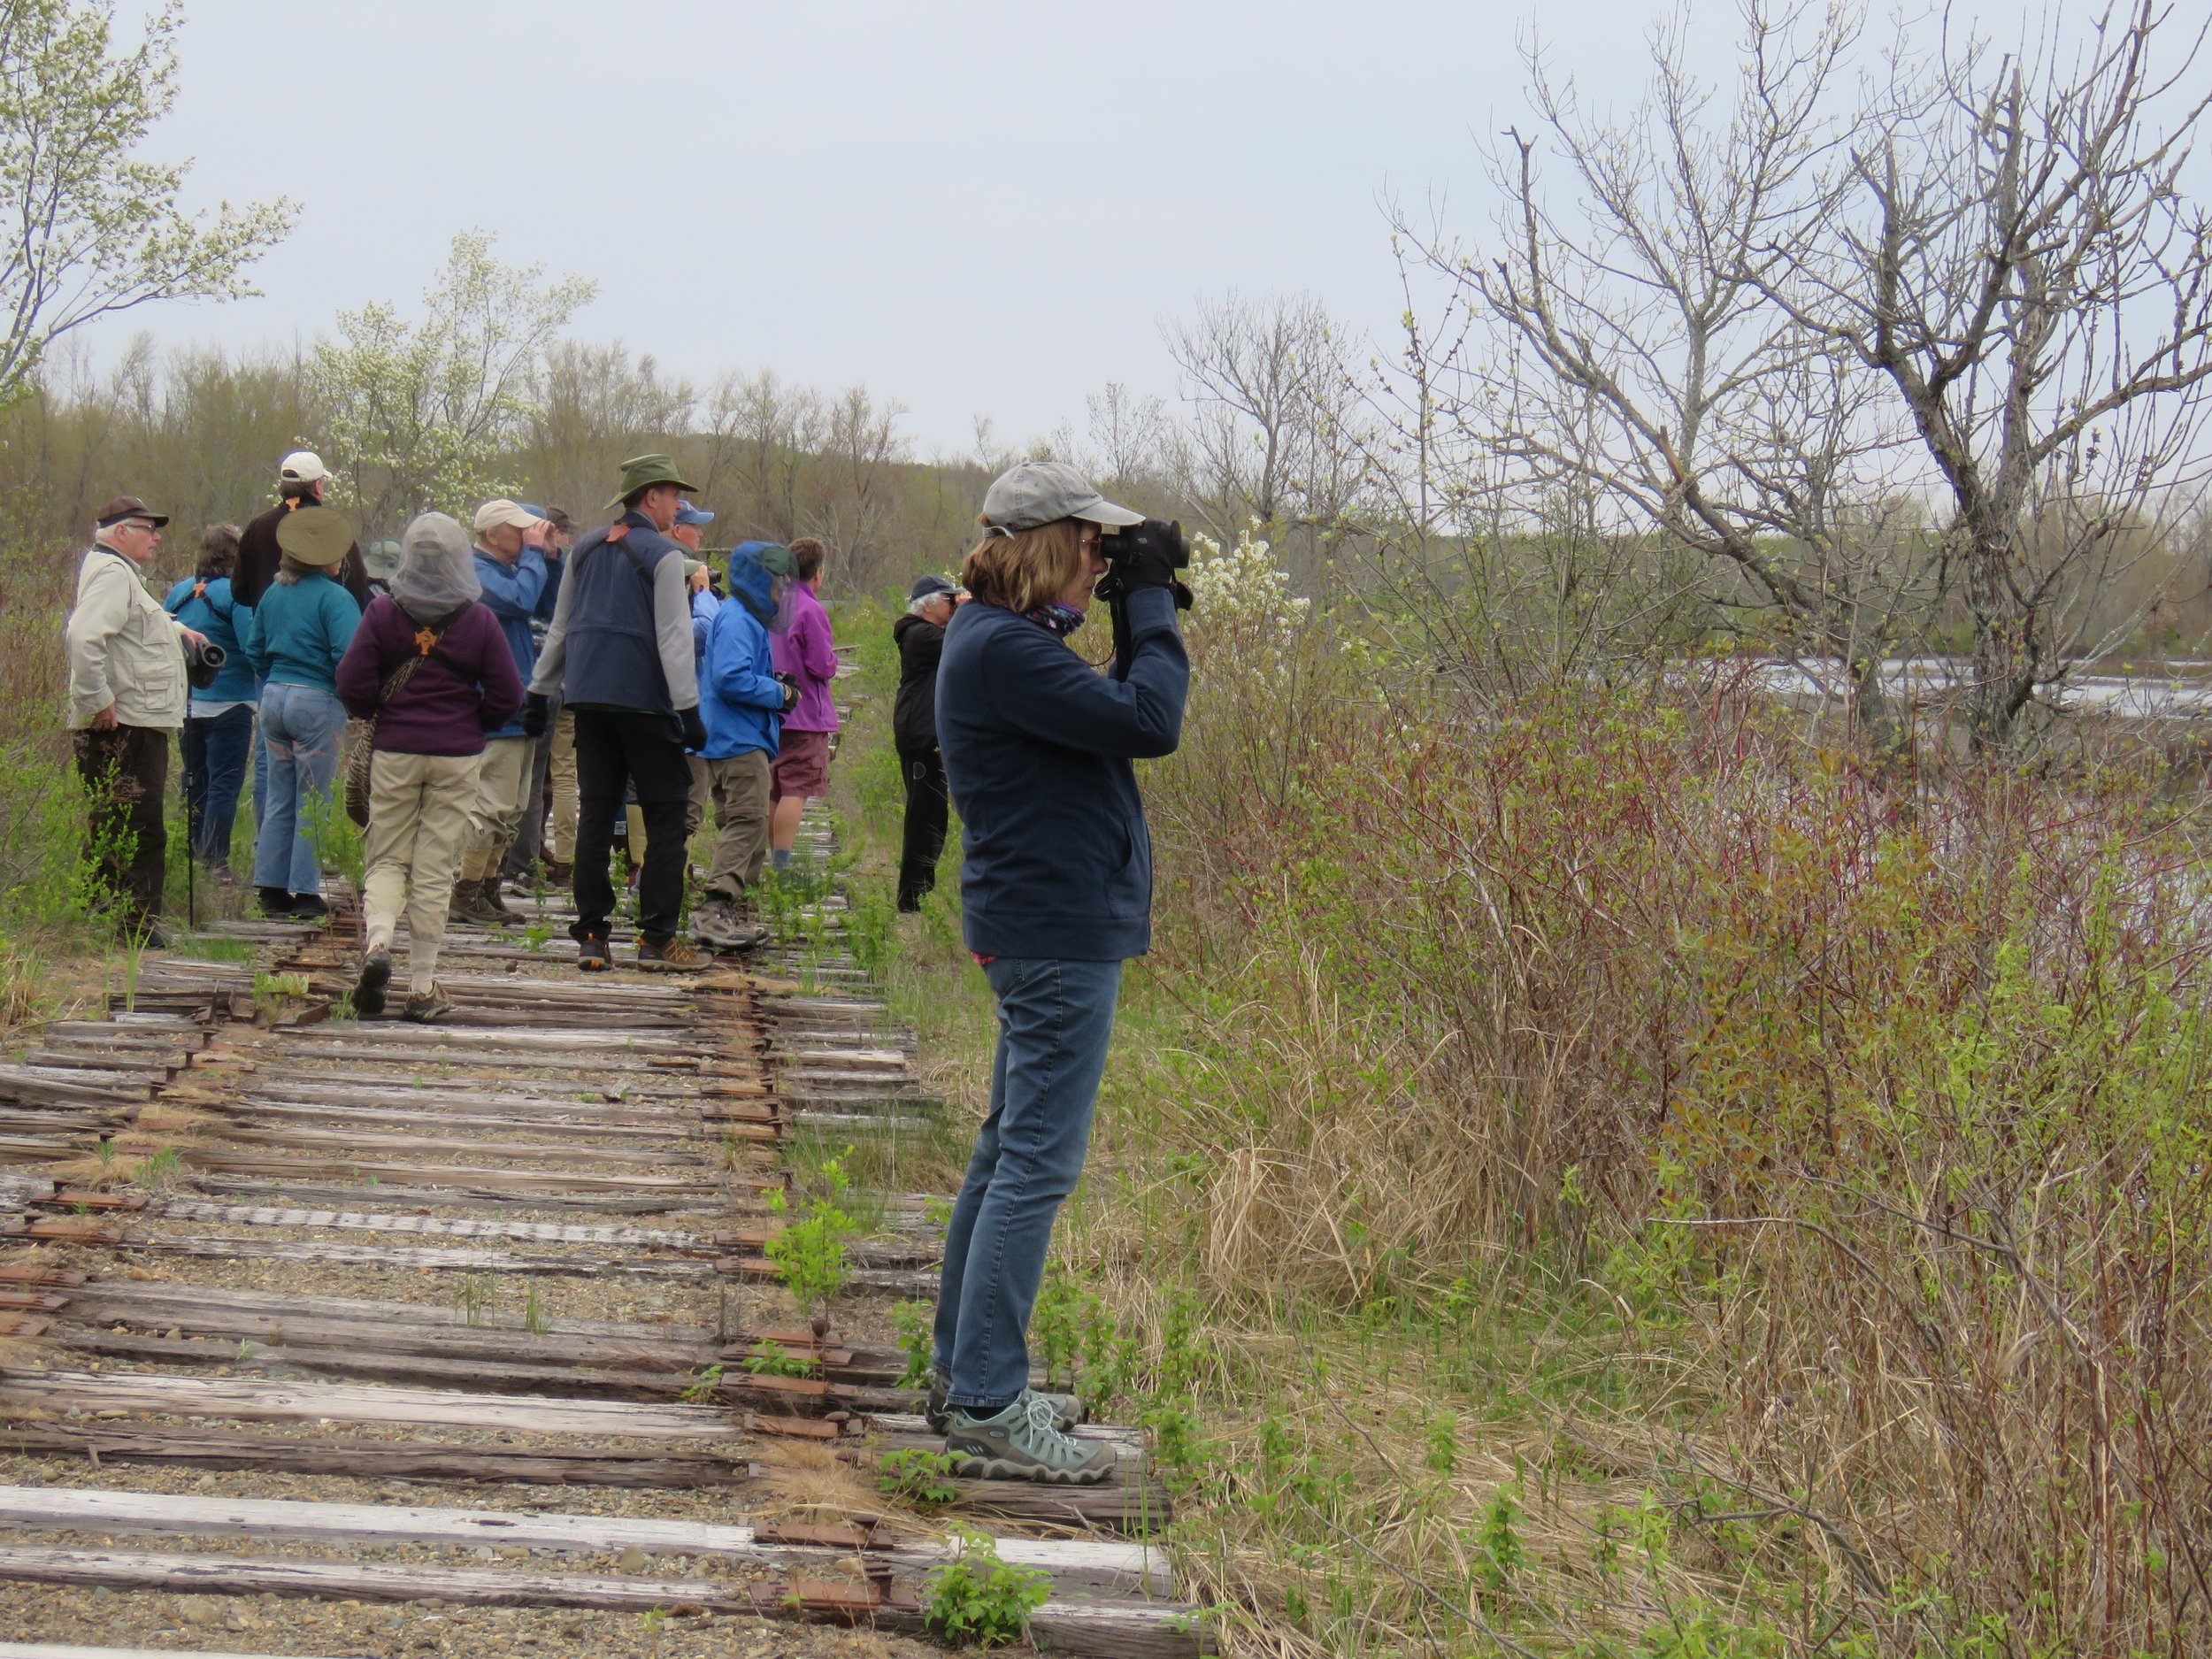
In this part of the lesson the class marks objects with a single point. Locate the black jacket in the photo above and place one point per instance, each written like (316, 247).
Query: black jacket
(259, 557)
(914, 713)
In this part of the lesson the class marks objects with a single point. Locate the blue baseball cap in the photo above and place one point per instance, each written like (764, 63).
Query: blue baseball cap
(689, 514)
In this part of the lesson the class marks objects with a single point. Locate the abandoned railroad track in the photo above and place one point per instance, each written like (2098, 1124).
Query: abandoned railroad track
(327, 1336)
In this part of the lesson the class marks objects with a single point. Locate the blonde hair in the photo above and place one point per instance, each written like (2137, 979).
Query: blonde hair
(1028, 568)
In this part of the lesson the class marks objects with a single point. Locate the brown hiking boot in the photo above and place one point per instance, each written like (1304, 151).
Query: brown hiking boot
(672, 956)
(470, 905)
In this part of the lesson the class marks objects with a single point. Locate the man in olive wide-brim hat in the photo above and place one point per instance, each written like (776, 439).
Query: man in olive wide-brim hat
(620, 653)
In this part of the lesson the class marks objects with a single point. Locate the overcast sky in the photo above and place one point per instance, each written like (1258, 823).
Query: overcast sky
(980, 209)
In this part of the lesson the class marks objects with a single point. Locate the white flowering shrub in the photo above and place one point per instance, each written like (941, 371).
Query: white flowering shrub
(1244, 618)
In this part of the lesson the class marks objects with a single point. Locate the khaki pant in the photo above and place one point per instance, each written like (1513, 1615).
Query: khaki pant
(740, 822)
(503, 789)
(560, 785)
(694, 809)
(418, 816)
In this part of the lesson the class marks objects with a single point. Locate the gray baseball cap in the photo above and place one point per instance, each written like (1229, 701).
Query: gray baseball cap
(1044, 492)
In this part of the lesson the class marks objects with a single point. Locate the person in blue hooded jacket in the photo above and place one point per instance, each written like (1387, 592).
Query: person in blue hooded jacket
(1055, 887)
(742, 703)
(219, 720)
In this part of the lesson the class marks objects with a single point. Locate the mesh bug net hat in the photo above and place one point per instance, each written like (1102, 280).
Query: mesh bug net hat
(437, 568)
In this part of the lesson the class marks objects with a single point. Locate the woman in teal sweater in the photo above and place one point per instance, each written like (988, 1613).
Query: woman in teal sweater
(299, 632)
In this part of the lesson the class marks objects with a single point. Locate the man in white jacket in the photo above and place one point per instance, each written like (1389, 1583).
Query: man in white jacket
(126, 695)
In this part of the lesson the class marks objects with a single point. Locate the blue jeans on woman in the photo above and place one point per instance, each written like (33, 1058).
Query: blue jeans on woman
(1054, 1021)
(301, 726)
(216, 750)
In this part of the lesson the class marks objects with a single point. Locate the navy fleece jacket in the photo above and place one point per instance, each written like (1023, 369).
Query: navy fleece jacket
(1037, 745)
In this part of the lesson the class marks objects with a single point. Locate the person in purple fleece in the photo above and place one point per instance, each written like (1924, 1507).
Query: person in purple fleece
(432, 667)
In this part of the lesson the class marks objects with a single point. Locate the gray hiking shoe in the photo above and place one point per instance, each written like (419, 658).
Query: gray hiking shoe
(1067, 1410)
(1021, 1443)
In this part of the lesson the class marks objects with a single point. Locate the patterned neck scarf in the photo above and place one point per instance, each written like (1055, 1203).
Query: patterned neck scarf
(1055, 618)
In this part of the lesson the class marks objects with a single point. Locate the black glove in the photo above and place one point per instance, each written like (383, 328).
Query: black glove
(790, 684)
(694, 728)
(1147, 555)
(535, 713)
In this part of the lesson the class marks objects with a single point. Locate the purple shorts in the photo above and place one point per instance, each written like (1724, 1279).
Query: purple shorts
(801, 766)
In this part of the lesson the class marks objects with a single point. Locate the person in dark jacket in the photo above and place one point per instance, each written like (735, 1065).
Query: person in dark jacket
(921, 637)
(219, 718)
(620, 653)
(432, 666)
(303, 481)
(1056, 886)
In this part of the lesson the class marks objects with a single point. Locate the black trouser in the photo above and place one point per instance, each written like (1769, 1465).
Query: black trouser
(528, 846)
(126, 773)
(927, 799)
(615, 746)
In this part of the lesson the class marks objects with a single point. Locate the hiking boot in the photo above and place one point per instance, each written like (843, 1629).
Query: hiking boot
(717, 923)
(309, 907)
(273, 901)
(594, 954)
(368, 990)
(491, 891)
(558, 874)
(1021, 1443)
(671, 955)
(470, 905)
(1067, 1410)
(425, 1006)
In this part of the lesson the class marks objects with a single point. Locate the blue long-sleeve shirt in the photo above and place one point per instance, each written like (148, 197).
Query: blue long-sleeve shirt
(212, 612)
(1038, 747)
(300, 631)
(517, 594)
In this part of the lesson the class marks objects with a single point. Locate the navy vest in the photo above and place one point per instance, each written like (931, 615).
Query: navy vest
(613, 651)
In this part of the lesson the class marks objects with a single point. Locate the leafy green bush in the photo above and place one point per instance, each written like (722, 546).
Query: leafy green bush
(978, 1600)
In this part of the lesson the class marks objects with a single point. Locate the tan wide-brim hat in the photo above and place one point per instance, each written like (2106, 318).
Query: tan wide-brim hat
(315, 535)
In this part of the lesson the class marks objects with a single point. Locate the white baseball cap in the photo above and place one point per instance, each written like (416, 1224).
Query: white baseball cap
(493, 514)
(302, 466)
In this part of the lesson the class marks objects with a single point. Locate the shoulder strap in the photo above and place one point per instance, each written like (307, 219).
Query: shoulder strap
(426, 641)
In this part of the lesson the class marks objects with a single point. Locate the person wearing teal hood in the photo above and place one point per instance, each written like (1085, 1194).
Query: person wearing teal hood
(742, 703)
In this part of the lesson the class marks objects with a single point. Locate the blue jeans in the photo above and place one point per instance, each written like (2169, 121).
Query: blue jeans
(1054, 1020)
(300, 724)
(260, 772)
(215, 752)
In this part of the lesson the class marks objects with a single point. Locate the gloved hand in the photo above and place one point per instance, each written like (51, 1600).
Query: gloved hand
(535, 713)
(790, 684)
(694, 728)
(1147, 555)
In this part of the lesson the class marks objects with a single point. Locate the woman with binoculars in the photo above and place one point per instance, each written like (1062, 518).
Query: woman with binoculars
(1056, 893)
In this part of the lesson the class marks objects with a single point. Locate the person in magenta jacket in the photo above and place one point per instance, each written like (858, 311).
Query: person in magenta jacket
(460, 685)
(807, 654)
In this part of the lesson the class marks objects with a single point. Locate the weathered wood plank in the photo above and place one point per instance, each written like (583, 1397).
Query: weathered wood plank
(244, 1575)
(1126, 1630)
(1077, 1566)
(379, 1459)
(247, 1401)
